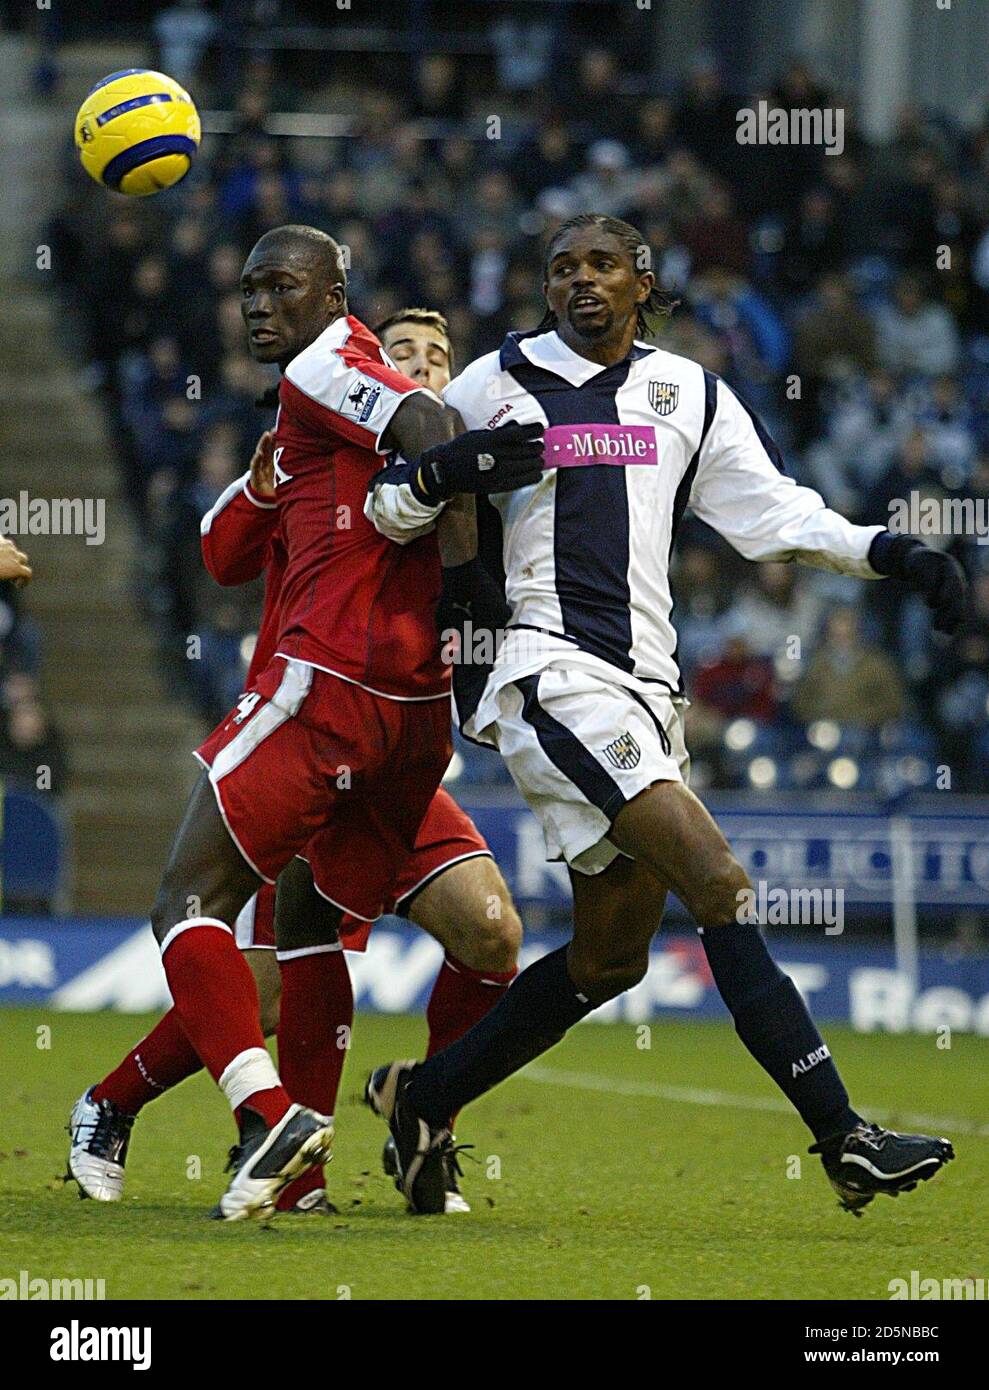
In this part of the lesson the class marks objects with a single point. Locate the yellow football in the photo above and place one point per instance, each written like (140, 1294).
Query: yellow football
(137, 132)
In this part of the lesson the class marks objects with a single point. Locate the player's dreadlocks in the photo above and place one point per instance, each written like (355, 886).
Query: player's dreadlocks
(658, 305)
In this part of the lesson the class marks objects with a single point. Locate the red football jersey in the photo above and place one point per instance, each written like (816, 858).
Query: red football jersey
(352, 602)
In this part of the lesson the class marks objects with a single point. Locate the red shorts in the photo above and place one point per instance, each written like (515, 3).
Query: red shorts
(308, 759)
(446, 836)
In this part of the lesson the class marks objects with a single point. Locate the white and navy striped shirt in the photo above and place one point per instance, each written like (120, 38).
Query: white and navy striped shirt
(586, 550)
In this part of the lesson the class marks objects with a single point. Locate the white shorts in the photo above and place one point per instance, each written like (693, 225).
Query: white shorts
(580, 746)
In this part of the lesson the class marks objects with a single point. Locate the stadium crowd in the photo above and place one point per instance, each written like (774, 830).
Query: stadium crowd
(844, 296)
(31, 746)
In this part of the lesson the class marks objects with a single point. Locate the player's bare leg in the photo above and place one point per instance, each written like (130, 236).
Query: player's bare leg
(469, 910)
(264, 968)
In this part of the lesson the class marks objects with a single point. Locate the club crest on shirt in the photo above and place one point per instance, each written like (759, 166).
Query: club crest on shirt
(623, 752)
(663, 396)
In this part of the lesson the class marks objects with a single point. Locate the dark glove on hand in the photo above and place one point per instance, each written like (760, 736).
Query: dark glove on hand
(471, 594)
(938, 577)
(480, 461)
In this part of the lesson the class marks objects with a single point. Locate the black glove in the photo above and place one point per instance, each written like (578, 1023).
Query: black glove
(480, 461)
(471, 594)
(939, 577)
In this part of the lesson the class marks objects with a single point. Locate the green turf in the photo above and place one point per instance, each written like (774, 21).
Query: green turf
(602, 1192)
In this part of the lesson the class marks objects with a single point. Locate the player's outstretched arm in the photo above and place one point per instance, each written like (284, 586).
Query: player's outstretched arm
(741, 491)
(14, 563)
(406, 498)
(236, 532)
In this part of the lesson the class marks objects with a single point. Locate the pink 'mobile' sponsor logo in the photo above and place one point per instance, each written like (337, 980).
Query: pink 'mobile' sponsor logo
(576, 446)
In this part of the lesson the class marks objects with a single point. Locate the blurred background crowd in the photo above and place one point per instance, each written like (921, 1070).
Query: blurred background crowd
(844, 296)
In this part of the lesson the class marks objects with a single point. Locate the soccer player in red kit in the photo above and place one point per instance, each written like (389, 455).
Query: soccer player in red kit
(343, 738)
(447, 886)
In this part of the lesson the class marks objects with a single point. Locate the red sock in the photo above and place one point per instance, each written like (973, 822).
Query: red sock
(158, 1062)
(217, 1003)
(461, 997)
(317, 1013)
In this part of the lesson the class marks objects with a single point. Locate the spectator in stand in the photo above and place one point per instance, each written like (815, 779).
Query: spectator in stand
(865, 424)
(857, 205)
(835, 342)
(702, 588)
(963, 693)
(183, 32)
(849, 680)
(797, 89)
(706, 118)
(549, 157)
(521, 306)
(755, 335)
(148, 310)
(218, 616)
(655, 132)
(400, 226)
(911, 470)
(32, 751)
(946, 419)
(780, 615)
(814, 241)
(439, 92)
(608, 184)
(157, 409)
(717, 237)
(105, 276)
(917, 337)
(737, 684)
(523, 50)
(341, 198)
(836, 339)
(494, 203)
(597, 98)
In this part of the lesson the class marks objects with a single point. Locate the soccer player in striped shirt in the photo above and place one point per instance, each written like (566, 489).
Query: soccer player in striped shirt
(585, 701)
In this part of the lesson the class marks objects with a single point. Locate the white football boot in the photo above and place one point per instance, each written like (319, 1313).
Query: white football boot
(99, 1133)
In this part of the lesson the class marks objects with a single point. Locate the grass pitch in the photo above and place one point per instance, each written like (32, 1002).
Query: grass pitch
(610, 1170)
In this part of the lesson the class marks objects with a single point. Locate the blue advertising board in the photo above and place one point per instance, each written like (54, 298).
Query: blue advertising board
(83, 965)
(787, 844)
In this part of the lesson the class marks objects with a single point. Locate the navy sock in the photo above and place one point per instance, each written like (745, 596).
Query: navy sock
(772, 1021)
(532, 1016)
